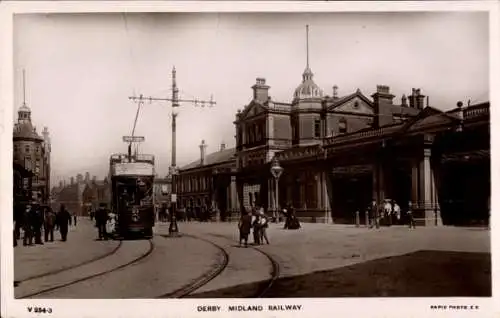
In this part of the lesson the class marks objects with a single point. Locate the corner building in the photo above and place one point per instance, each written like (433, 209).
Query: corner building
(31, 160)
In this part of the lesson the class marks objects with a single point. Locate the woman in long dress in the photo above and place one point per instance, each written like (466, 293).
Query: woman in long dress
(111, 225)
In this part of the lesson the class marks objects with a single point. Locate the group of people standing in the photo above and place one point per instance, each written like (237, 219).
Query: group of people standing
(257, 222)
(388, 213)
(34, 218)
(104, 221)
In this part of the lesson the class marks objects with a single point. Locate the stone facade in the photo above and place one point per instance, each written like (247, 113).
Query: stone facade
(367, 149)
(32, 152)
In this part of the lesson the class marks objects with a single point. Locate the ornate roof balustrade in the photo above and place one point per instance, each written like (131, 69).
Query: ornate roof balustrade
(477, 111)
(278, 107)
(379, 132)
(299, 153)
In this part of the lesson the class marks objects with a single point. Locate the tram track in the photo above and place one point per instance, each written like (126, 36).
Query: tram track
(218, 269)
(206, 277)
(67, 268)
(98, 274)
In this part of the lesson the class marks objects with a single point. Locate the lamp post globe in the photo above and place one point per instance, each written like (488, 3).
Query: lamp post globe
(276, 171)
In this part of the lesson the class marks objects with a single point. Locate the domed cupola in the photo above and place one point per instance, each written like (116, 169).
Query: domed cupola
(307, 89)
(24, 128)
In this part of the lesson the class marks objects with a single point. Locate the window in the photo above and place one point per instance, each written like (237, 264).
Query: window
(37, 149)
(16, 148)
(317, 128)
(27, 148)
(356, 104)
(342, 126)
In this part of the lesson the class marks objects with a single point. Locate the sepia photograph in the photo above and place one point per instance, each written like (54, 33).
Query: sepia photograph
(235, 155)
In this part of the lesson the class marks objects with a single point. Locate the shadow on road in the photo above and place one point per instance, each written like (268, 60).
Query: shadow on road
(418, 274)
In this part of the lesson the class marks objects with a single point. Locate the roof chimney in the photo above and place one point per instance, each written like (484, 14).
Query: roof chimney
(94, 179)
(260, 90)
(382, 102)
(87, 177)
(203, 147)
(404, 101)
(72, 180)
(335, 92)
(417, 99)
(222, 146)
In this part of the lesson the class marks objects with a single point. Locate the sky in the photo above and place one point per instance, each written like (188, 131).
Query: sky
(81, 69)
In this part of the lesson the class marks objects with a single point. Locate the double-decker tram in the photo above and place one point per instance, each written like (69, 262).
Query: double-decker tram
(132, 194)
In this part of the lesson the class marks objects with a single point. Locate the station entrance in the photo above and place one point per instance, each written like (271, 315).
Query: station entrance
(465, 193)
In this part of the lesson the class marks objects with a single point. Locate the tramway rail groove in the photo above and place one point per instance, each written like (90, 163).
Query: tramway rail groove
(203, 279)
(60, 270)
(135, 260)
(217, 270)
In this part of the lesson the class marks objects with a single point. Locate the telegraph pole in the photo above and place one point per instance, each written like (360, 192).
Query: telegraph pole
(173, 229)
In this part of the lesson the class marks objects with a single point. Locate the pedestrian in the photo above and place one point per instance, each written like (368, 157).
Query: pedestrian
(15, 220)
(111, 225)
(264, 224)
(37, 222)
(101, 218)
(244, 226)
(389, 211)
(397, 212)
(48, 224)
(256, 229)
(287, 212)
(375, 221)
(63, 221)
(411, 220)
(70, 219)
(74, 218)
(27, 226)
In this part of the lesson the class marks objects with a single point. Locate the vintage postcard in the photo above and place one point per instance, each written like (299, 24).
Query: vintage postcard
(202, 159)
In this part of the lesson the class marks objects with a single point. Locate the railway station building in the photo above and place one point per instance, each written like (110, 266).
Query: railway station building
(338, 153)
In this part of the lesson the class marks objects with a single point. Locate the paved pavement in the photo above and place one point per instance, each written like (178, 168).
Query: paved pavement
(81, 246)
(318, 246)
(177, 261)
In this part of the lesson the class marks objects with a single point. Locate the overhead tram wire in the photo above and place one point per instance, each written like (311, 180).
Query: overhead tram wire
(134, 69)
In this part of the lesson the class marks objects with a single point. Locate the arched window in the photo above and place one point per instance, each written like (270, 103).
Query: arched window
(342, 126)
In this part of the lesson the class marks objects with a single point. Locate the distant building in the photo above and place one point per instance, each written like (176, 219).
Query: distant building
(83, 195)
(208, 183)
(162, 191)
(31, 152)
(95, 193)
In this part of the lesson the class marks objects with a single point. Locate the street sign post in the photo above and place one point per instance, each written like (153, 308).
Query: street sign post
(133, 138)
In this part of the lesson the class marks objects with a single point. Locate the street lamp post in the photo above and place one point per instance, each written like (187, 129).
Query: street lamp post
(276, 171)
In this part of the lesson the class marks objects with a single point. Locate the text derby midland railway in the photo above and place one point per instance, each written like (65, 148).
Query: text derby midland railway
(251, 308)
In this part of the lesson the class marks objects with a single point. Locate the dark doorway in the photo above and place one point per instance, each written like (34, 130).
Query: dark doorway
(464, 193)
(348, 195)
